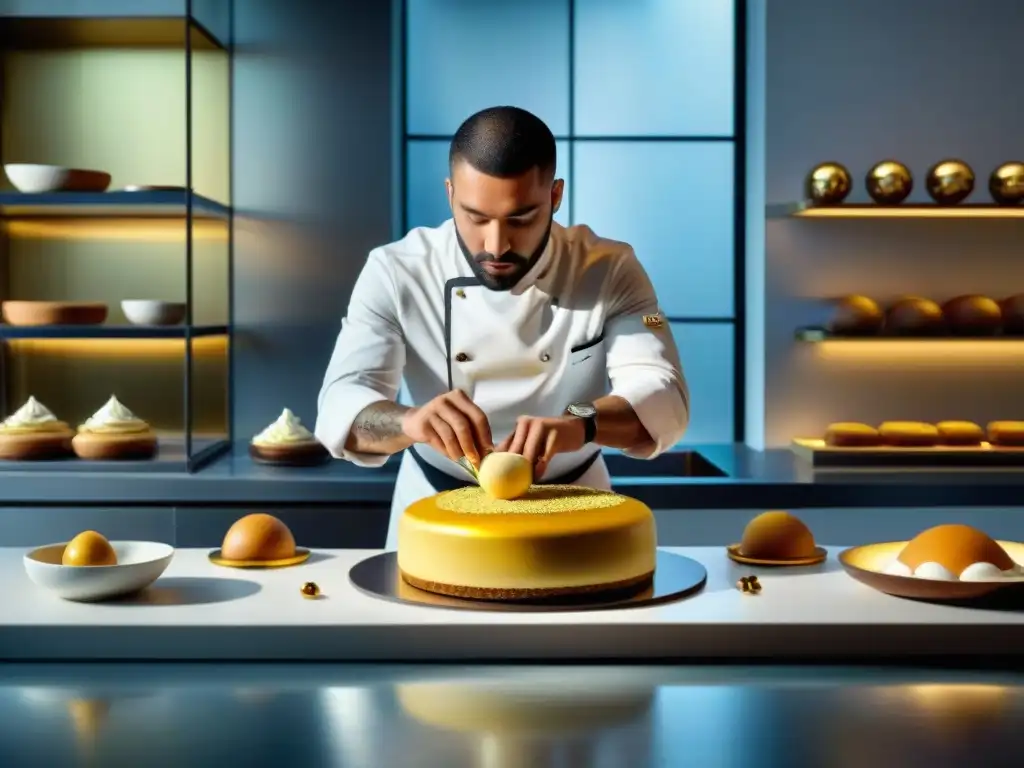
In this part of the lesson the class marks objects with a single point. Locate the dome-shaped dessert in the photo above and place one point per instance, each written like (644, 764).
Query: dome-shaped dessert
(777, 536)
(954, 552)
(89, 548)
(505, 475)
(258, 537)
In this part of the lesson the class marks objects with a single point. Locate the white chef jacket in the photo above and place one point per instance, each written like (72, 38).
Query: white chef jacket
(583, 322)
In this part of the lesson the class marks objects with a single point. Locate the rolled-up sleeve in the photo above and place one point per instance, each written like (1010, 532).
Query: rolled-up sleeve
(643, 361)
(367, 363)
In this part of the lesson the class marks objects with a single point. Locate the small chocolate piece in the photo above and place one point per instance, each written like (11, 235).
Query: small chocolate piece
(748, 585)
(310, 590)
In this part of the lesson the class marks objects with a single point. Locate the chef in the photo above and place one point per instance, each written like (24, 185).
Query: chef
(512, 333)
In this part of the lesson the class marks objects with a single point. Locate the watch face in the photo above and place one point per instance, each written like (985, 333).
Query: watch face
(583, 410)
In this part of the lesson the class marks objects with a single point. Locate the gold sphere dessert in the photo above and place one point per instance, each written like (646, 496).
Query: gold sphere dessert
(889, 182)
(950, 182)
(505, 475)
(258, 537)
(856, 316)
(828, 184)
(89, 549)
(1006, 184)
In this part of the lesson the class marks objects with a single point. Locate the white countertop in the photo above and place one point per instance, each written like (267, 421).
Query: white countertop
(198, 611)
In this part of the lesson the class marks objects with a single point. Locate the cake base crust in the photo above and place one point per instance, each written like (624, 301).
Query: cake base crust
(119, 447)
(479, 593)
(36, 446)
(295, 455)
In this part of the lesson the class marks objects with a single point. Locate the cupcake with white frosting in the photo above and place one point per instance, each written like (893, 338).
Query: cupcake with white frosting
(115, 433)
(33, 433)
(286, 442)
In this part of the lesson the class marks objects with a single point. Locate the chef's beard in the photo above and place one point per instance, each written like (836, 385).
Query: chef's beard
(507, 281)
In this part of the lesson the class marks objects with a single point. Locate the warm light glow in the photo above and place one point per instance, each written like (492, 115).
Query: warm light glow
(153, 230)
(942, 353)
(912, 212)
(816, 443)
(976, 699)
(122, 349)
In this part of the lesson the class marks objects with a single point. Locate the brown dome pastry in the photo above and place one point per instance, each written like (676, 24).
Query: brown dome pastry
(954, 553)
(776, 538)
(1006, 433)
(965, 433)
(1012, 308)
(914, 316)
(33, 433)
(851, 434)
(973, 315)
(259, 540)
(856, 316)
(909, 434)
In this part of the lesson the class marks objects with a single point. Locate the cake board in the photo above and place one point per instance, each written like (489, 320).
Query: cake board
(675, 577)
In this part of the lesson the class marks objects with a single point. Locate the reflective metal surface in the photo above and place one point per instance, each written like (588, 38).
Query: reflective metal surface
(451, 717)
(828, 184)
(675, 577)
(889, 182)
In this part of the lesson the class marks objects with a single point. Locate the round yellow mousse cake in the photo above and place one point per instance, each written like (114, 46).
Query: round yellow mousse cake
(553, 540)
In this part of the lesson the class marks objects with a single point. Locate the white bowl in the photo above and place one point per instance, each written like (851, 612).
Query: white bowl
(139, 564)
(34, 179)
(152, 312)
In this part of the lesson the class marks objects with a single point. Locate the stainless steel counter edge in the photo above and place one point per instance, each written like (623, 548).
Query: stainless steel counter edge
(773, 478)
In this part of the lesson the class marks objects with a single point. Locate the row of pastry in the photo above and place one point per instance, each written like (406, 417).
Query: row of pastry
(968, 315)
(33, 432)
(908, 434)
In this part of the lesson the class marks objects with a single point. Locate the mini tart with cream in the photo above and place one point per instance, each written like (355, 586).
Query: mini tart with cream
(554, 540)
(955, 553)
(34, 433)
(114, 432)
(288, 443)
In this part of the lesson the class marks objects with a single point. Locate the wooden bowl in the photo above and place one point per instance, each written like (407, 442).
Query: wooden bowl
(867, 565)
(54, 312)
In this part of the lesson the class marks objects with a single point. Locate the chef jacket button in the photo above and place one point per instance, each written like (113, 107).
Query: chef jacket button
(462, 357)
(460, 293)
(545, 357)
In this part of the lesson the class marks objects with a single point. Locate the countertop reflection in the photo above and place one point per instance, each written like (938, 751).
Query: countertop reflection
(367, 716)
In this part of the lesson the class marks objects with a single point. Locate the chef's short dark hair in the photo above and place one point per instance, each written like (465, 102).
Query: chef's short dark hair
(504, 142)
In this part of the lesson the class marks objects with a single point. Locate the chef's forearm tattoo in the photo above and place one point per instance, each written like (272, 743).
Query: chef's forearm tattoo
(378, 429)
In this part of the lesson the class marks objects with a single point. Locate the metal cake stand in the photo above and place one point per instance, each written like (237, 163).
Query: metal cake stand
(675, 577)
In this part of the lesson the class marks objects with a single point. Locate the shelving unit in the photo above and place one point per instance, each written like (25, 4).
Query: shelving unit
(807, 210)
(148, 100)
(817, 335)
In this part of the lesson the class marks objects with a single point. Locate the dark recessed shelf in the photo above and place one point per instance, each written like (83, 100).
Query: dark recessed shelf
(821, 334)
(171, 457)
(805, 210)
(146, 204)
(109, 331)
(90, 29)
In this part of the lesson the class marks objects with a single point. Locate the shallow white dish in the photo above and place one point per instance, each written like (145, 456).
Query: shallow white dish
(34, 179)
(139, 564)
(152, 312)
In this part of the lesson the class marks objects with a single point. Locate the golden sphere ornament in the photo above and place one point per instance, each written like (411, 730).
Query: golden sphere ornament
(1006, 184)
(310, 590)
(827, 184)
(889, 182)
(950, 182)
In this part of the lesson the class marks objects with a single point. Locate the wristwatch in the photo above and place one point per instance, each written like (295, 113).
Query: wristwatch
(587, 412)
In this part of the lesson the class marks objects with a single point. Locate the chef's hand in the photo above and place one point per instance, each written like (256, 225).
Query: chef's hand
(538, 439)
(451, 424)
